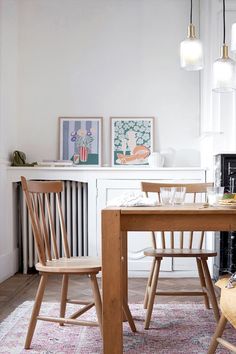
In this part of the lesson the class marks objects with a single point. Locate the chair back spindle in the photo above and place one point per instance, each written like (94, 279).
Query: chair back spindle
(45, 229)
(185, 239)
(181, 240)
(63, 227)
(39, 197)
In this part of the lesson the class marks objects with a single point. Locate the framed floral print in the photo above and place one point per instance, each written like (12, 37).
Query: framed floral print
(80, 140)
(131, 140)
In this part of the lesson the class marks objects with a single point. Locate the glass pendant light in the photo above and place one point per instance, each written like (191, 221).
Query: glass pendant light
(224, 68)
(191, 52)
(233, 38)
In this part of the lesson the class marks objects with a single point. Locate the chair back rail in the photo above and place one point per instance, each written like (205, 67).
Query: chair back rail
(47, 238)
(193, 190)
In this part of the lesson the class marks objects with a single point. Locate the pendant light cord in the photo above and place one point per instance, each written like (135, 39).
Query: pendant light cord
(191, 12)
(223, 21)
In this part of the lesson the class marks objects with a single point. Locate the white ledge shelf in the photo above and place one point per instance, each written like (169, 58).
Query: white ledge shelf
(105, 168)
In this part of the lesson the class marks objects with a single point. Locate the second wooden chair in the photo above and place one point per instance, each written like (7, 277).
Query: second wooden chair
(184, 248)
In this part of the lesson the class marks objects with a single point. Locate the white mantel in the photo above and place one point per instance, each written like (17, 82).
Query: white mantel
(15, 172)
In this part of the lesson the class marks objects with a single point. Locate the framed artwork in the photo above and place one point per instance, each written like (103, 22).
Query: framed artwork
(80, 140)
(131, 140)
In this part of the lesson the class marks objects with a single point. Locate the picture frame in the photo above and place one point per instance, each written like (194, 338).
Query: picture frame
(80, 140)
(131, 140)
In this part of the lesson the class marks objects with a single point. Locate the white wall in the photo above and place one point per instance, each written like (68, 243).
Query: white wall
(218, 111)
(8, 125)
(105, 58)
(91, 58)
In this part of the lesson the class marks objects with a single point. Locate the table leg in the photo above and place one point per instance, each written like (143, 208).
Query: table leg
(127, 316)
(112, 282)
(124, 268)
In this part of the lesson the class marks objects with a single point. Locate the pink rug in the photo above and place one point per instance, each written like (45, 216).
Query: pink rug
(174, 329)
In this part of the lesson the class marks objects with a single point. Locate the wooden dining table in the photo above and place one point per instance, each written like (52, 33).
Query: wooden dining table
(116, 222)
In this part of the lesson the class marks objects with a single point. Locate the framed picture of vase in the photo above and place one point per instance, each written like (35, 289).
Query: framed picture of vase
(131, 140)
(80, 140)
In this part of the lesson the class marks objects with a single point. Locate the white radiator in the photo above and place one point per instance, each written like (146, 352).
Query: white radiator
(74, 200)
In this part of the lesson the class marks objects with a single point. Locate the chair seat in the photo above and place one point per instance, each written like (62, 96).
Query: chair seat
(178, 252)
(76, 265)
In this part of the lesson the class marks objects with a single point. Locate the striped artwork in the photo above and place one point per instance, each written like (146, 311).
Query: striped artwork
(80, 140)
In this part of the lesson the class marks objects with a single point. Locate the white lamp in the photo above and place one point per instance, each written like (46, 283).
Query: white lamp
(224, 68)
(233, 38)
(191, 52)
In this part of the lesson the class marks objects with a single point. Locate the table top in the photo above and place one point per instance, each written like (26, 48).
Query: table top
(117, 222)
(187, 208)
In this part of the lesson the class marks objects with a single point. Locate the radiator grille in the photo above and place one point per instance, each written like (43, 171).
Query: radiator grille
(74, 200)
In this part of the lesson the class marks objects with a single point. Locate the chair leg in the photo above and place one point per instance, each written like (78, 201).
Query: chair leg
(218, 333)
(64, 290)
(202, 282)
(128, 316)
(146, 297)
(152, 292)
(210, 289)
(97, 299)
(35, 311)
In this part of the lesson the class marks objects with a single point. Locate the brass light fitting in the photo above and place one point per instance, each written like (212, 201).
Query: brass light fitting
(191, 31)
(224, 50)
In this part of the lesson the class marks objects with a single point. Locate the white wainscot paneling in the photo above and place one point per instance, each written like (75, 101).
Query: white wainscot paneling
(105, 184)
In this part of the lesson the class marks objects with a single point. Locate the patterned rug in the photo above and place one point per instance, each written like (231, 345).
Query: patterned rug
(175, 328)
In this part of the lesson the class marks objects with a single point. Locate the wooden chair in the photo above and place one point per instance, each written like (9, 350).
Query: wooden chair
(216, 339)
(43, 225)
(228, 308)
(183, 249)
(42, 220)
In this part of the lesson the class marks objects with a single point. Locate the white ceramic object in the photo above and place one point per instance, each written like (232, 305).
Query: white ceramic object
(169, 157)
(155, 159)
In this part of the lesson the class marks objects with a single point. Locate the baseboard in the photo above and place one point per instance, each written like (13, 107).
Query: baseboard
(9, 264)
